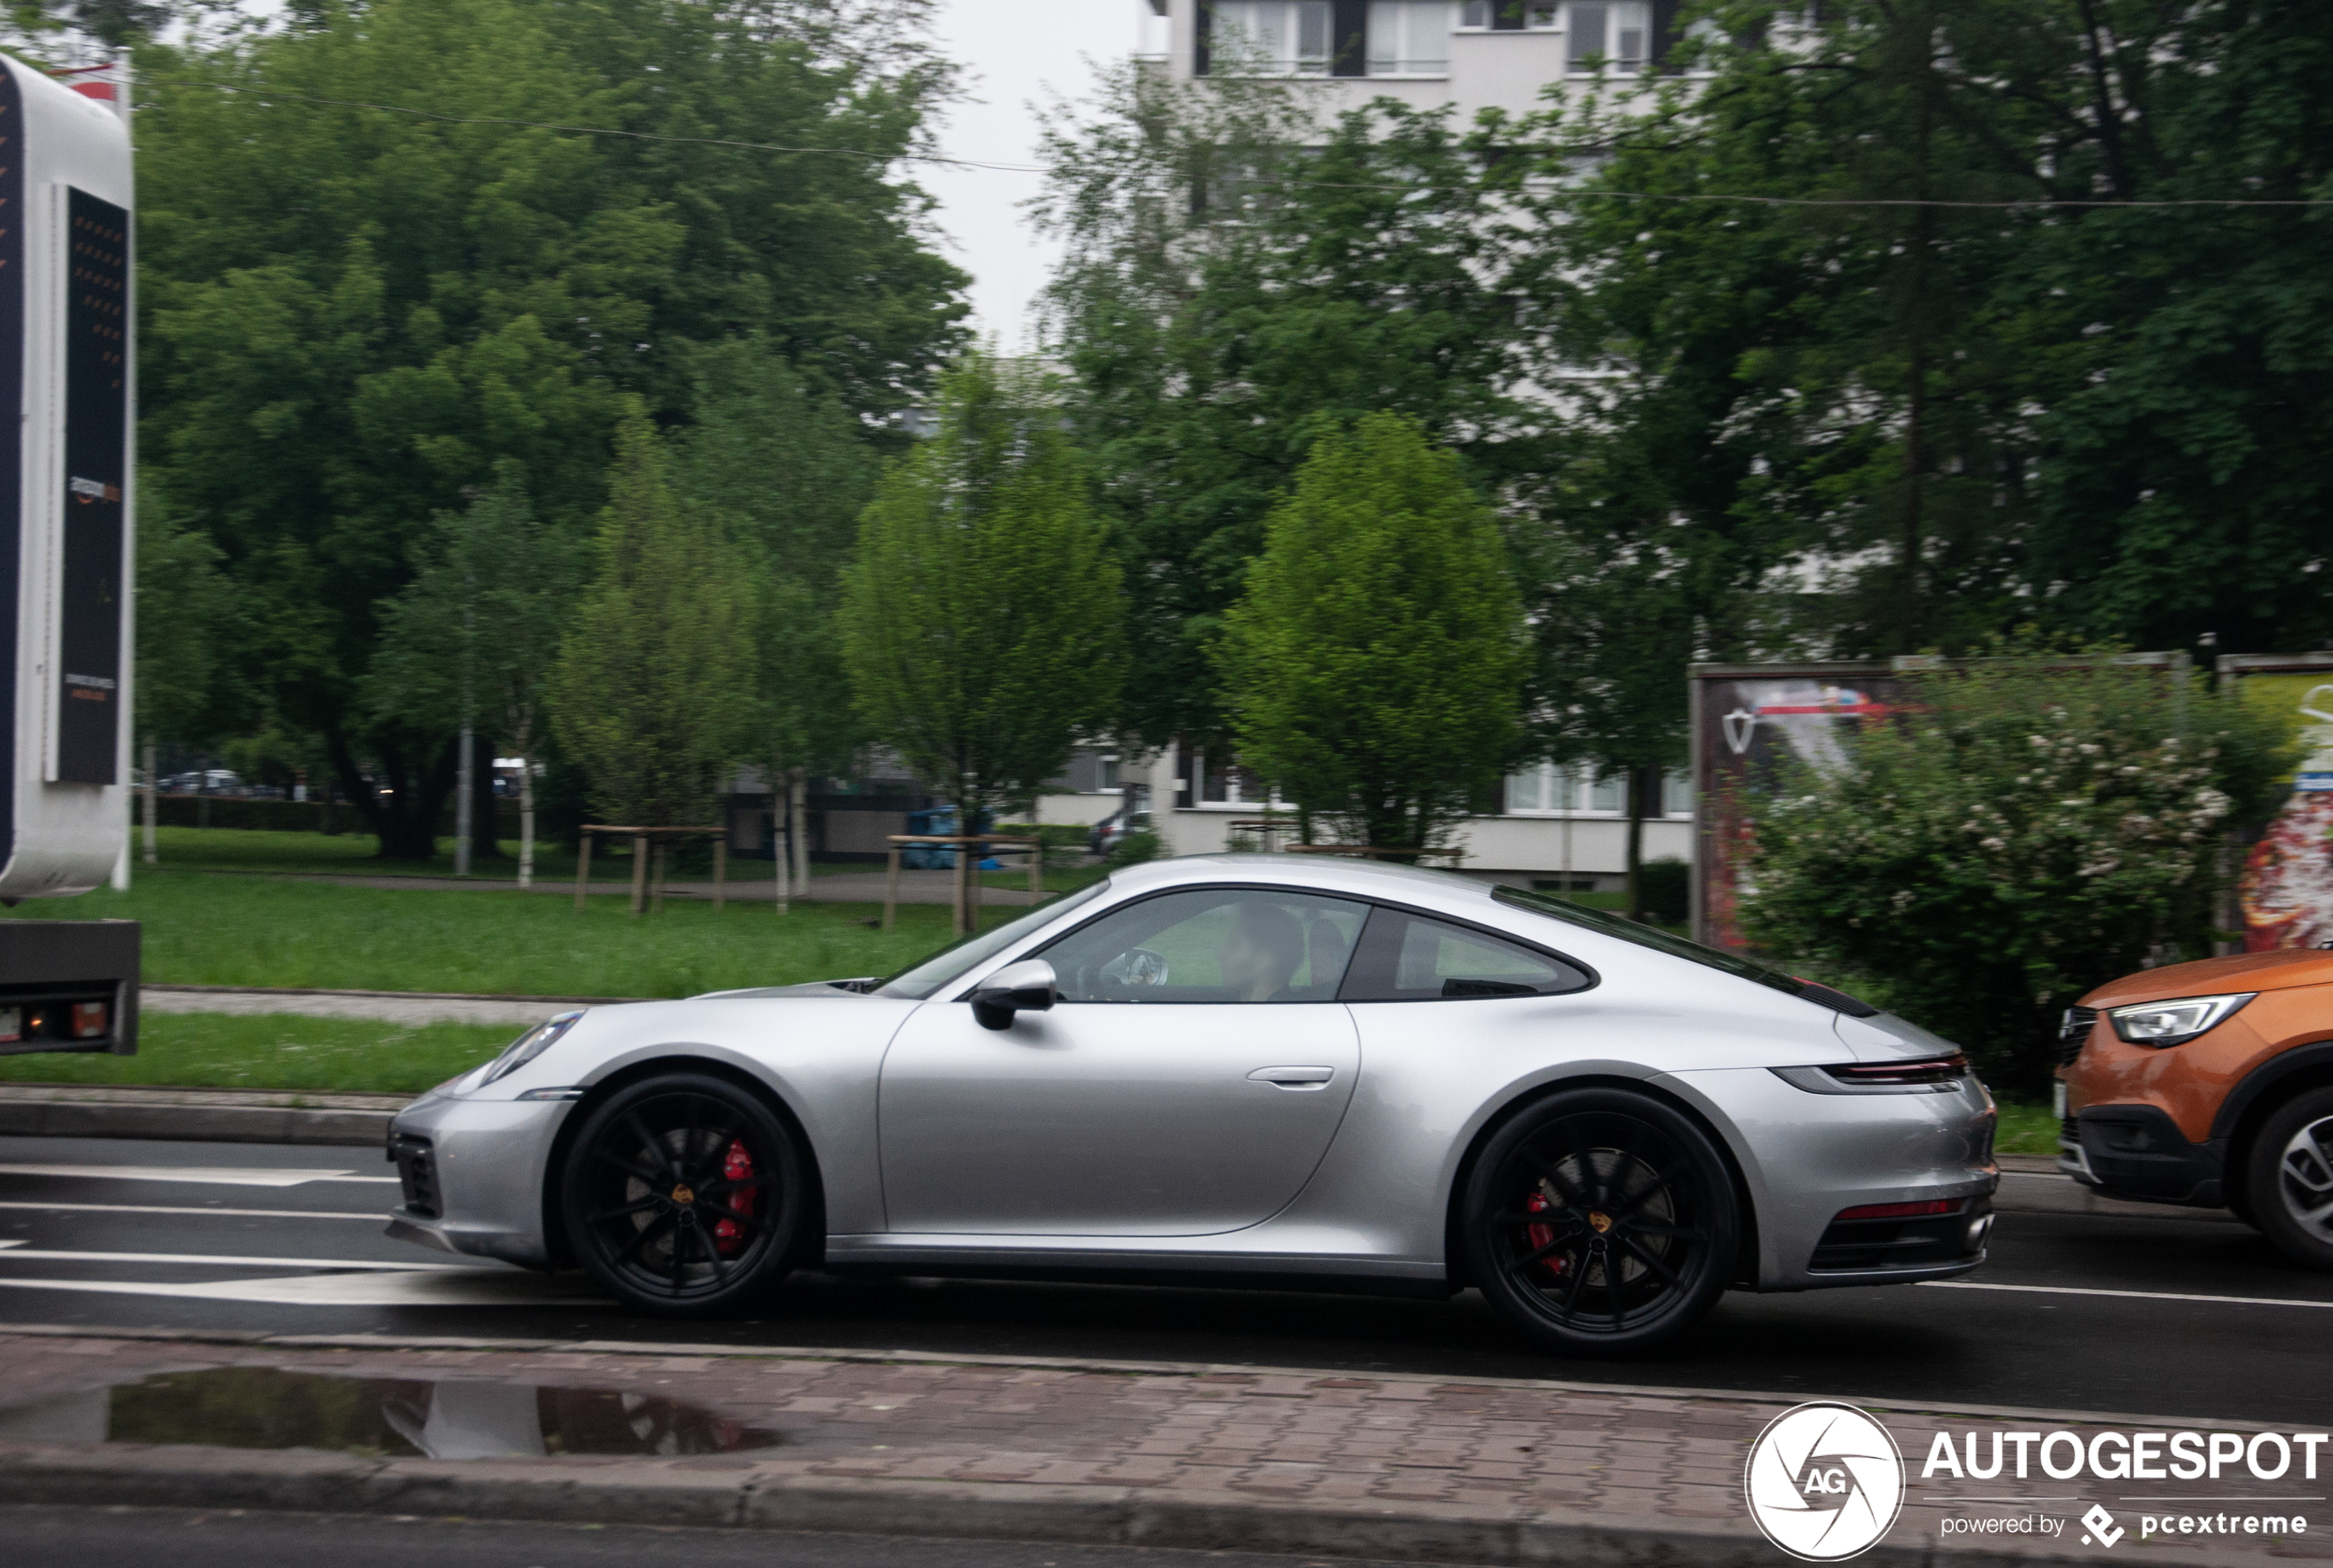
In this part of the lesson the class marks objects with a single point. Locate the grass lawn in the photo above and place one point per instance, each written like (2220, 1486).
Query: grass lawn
(325, 1055)
(2027, 1130)
(203, 929)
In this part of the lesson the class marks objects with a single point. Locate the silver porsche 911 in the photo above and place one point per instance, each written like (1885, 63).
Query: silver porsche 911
(1237, 1067)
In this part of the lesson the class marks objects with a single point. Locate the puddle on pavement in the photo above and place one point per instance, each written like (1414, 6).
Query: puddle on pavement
(266, 1407)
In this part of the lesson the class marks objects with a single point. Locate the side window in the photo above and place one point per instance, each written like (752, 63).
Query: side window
(1408, 958)
(1211, 944)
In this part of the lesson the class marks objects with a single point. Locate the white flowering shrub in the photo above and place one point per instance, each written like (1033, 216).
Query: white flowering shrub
(2021, 835)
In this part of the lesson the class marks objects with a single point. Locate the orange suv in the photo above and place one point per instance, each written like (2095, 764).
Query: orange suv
(2206, 1084)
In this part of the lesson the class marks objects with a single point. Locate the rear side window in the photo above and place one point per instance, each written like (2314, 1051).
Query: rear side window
(1403, 957)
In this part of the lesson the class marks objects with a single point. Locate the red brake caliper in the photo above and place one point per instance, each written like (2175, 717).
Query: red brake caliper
(736, 1166)
(1542, 1234)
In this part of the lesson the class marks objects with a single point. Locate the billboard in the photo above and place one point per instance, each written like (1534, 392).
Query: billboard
(1748, 721)
(2285, 890)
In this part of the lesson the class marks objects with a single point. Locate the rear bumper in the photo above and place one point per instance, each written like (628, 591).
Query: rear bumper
(2137, 1152)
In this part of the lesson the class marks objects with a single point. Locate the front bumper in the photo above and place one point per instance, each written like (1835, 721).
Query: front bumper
(2137, 1152)
(473, 1174)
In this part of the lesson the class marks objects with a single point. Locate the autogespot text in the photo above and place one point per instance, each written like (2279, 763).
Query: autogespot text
(2126, 1456)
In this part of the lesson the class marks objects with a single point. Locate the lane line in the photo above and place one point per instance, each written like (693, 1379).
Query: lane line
(2132, 1295)
(211, 1176)
(16, 1249)
(375, 1215)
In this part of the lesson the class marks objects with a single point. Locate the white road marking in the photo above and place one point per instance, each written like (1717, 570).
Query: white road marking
(212, 1176)
(465, 1288)
(373, 1214)
(15, 1250)
(2134, 1295)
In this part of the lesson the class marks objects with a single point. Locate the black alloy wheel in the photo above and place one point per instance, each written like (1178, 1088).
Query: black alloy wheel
(2288, 1183)
(682, 1195)
(1600, 1222)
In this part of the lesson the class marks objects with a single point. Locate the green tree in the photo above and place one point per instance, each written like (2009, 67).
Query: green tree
(652, 692)
(1374, 666)
(372, 271)
(185, 617)
(788, 472)
(1243, 272)
(982, 617)
(2034, 829)
(474, 635)
(2179, 490)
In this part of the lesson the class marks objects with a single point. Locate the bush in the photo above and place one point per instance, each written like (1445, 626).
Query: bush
(1134, 849)
(1662, 885)
(2029, 832)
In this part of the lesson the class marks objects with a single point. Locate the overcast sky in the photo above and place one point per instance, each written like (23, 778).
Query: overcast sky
(1015, 52)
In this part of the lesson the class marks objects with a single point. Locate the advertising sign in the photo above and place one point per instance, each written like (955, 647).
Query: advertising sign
(1748, 720)
(2286, 887)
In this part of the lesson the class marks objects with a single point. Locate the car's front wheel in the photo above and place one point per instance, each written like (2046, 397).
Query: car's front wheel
(683, 1195)
(2288, 1185)
(1600, 1223)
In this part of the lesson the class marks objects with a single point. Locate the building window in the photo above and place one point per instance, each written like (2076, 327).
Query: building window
(1676, 794)
(1271, 38)
(1483, 15)
(1607, 32)
(1112, 778)
(1409, 38)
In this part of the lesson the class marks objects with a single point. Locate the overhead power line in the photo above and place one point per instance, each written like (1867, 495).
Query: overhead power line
(2013, 204)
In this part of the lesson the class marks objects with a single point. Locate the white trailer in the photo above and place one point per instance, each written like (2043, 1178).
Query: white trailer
(68, 385)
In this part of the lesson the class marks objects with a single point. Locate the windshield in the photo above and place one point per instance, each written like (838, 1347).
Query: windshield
(1647, 936)
(922, 979)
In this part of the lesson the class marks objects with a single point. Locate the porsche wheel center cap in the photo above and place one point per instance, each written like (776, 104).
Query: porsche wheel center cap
(1600, 1219)
(682, 1195)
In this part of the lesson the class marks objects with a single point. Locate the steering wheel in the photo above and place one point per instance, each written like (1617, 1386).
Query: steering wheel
(1133, 972)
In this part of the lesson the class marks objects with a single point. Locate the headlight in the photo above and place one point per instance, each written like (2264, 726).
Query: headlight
(528, 1046)
(2174, 1022)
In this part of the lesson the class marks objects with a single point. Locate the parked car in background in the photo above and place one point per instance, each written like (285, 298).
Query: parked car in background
(1112, 830)
(1237, 1067)
(205, 781)
(2210, 1084)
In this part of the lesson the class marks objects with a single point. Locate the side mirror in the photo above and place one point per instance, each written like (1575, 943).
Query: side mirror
(1027, 986)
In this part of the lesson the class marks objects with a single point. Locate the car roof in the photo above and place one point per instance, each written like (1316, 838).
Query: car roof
(1347, 874)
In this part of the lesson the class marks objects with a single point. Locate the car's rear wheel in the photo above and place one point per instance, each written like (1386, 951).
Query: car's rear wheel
(682, 1195)
(1600, 1223)
(2289, 1179)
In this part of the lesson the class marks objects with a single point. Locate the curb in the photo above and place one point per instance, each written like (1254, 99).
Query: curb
(187, 1116)
(685, 1493)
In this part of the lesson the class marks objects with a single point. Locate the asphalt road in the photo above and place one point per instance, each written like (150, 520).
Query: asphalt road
(137, 1537)
(2159, 1316)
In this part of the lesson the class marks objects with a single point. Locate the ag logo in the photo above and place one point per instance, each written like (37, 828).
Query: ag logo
(1824, 1481)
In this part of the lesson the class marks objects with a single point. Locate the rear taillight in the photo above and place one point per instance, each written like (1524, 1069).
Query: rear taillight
(1925, 1070)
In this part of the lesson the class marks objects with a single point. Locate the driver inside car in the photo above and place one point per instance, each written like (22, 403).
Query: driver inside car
(1261, 954)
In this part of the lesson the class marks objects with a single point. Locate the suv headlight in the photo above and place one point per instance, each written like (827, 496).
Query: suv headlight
(528, 1046)
(2174, 1022)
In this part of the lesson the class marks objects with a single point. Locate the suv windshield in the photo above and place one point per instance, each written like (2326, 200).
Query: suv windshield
(922, 979)
(1647, 936)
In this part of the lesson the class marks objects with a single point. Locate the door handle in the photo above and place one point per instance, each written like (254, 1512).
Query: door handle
(1294, 1077)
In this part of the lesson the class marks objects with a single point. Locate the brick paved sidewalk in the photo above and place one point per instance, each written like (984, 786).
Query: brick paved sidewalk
(1661, 1470)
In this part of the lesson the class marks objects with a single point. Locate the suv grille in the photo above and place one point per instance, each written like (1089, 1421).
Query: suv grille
(2074, 1033)
(417, 1174)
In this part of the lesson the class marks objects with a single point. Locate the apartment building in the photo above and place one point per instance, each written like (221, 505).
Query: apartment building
(1476, 54)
